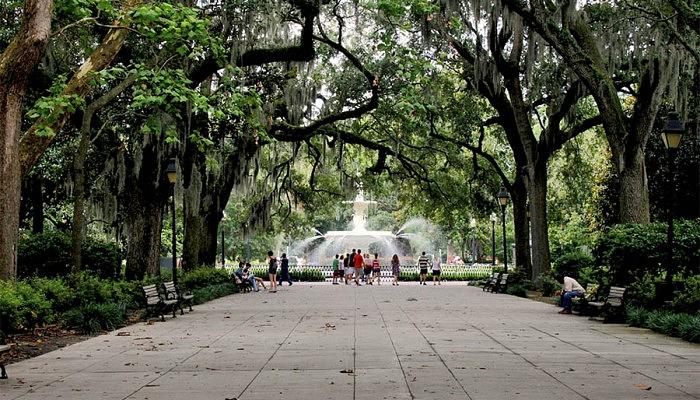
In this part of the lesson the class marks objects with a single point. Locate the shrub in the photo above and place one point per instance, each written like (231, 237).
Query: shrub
(517, 289)
(688, 300)
(55, 291)
(93, 318)
(572, 263)
(642, 292)
(203, 277)
(680, 325)
(202, 295)
(24, 306)
(549, 284)
(48, 255)
(633, 250)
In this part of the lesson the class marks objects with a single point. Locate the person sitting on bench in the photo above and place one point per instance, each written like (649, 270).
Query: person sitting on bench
(243, 275)
(571, 289)
(254, 280)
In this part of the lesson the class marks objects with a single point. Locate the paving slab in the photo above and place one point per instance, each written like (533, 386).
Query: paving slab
(319, 341)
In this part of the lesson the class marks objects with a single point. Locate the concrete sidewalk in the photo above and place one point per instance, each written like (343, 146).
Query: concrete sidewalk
(410, 341)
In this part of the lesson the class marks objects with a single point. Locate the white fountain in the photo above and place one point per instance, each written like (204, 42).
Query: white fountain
(322, 248)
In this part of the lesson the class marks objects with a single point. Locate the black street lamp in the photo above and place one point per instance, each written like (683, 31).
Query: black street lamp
(223, 242)
(671, 135)
(503, 198)
(172, 178)
(493, 239)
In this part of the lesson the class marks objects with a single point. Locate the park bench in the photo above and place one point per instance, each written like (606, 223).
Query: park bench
(580, 304)
(172, 292)
(243, 285)
(491, 282)
(612, 307)
(501, 284)
(157, 302)
(4, 348)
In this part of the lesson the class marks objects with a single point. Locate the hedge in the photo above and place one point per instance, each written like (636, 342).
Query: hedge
(633, 250)
(90, 303)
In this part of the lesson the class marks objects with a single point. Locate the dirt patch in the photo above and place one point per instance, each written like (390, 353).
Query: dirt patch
(31, 344)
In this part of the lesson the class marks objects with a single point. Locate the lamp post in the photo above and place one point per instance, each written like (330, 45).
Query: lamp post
(503, 198)
(223, 242)
(672, 135)
(172, 178)
(493, 239)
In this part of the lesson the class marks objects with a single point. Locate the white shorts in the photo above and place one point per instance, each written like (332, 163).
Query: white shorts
(350, 271)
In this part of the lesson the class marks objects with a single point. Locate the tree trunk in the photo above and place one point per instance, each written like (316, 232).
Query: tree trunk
(17, 63)
(143, 226)
(537, 189)
(145, 196)
(522, 247)
(634, 191)
(79, 194)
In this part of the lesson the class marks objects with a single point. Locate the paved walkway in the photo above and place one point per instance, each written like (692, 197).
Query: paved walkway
(430, 342)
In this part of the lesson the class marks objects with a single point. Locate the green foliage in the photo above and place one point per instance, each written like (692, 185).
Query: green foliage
(571, 264)
(23, 306)
(55, 291)
(688, 300)
(94, 317)
(680, 325)
(517, 289)
(632, 250)
(642, 292)
(204, 294)
(549, 284)
(48, 255)
(204, 276)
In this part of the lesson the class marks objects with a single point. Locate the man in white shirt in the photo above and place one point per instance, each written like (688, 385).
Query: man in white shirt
(571, 289)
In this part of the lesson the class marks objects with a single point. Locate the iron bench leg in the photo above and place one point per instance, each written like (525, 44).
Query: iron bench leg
(3, 374)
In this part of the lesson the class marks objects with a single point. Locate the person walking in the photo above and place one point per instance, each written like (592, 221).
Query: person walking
(272, 271)
(359, 264)
(376, 270)
(423, 266)
(284, 270)
(437, 270)
(336, 269)
(342, 265)
(395, 269)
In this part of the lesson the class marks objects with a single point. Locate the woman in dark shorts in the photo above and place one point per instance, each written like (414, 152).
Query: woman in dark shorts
(272, 271)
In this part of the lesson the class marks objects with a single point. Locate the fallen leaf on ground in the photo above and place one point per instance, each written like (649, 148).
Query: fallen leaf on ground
(124, 334)
(642, 386)
(412, 299)
(346, 371)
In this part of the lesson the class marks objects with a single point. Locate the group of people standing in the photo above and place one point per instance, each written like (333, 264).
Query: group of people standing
(355, 266)
(351, 267)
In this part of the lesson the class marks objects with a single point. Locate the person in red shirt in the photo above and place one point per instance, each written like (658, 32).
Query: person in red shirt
(359, 264)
